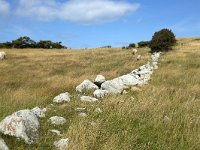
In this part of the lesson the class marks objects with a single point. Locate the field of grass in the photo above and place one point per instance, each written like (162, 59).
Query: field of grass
(164, 115)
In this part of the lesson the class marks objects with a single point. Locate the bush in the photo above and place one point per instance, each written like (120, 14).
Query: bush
(162, 40)
(132, 45)
(143, 44)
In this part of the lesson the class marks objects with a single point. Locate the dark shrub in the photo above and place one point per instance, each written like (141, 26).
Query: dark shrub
(162, 40)
(143, 44)
(132, 45)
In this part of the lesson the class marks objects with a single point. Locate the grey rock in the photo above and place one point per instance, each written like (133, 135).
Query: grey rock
(98, 110)
(88, 99)
(99, 80)
(55, 132)
(83, 115)
(61, 98)
(100, 93)
(62, 144)
(55, 120)
(86, 86)
(39, 112)
(23, 124)
(3, 145)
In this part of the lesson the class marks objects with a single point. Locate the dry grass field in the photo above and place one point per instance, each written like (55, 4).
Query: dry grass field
(165, 115)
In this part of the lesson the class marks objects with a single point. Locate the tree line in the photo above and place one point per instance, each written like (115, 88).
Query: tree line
(27, 42)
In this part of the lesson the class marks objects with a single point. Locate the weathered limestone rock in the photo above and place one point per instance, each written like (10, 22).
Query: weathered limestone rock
(100, 93)
(62, 144)
(88, 99)
(55, 132)
(63, 97)
(23, 124)
(86, 86)
(3, 145)
(98, 110)
(55, 120)
(2, 55)
(39, 112)
(83, 115)
(99, 80)
(80, 109)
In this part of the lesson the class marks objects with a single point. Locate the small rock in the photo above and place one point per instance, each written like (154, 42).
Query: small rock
(99, 80)
(55, 132)
(63, 97)
(55, 120)
(124, 92)
(3, 145)
(83, 115)
(138, 57)
(98, 110)
(62, 144)
(86, 86)
(39, 112)
(2, 55)
(23, 124)
(100, 93)
(88, 99)
(80, 109)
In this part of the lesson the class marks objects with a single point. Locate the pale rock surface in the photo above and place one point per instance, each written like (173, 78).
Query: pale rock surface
(55, 120)
(79, 109)
(2, 55)
(55, 132)
(100, 93)
(39, 112)
(98, 110)
(86, 86)
(62, 144)
(3, 145)
(62, 98)
(99, 80)
(83, 115)
(88, 99)
(23, 124)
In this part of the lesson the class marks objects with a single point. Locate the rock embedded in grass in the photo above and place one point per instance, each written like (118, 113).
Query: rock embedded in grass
(100, 93)
(62, 98)
(55, 132)
(86, 86)
(83, 115)
(55, 120)
(98, 110)
(99, 80)
(88, 99)
(23, 124)
(62, 144)
(39, 112)
(3, 145)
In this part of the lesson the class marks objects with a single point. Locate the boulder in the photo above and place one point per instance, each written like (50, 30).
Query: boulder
(23, 124)
(62, 144)
(114, 86)
(100, 93)
(61, 98)
(86, 86)
(99, 80)
(39, 112)
(88, 99)
(129, 80)
(55, 120)
(3, 145)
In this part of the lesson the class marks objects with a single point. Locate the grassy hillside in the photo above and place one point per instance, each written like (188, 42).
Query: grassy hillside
(164, 115)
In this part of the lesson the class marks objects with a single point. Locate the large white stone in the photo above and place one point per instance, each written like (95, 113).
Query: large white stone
(99, 80)
(62, 144)
(61, 98)
(88, 99)
(23, 124)
(39, 112)
(100, 93)
(129, 80)
(86, 86)
(55, 120)
(3, 145)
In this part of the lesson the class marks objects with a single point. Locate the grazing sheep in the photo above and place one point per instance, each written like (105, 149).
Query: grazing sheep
(134, 51)
(138, 57)
(2, 55)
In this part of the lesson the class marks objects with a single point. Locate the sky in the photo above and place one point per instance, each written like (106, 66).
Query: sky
(97, 23)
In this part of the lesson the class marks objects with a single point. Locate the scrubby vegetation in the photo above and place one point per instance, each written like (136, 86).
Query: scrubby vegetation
(26, 42)
(143, 44)
(162, 40)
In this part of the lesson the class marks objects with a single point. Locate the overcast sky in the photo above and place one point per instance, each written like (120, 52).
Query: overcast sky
(95, 23)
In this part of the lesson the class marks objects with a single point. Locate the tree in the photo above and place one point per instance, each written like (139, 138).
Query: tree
(162, 40)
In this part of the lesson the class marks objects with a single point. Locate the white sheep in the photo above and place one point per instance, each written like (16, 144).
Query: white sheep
(2, 55)
(134, 51)
(138, 57)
